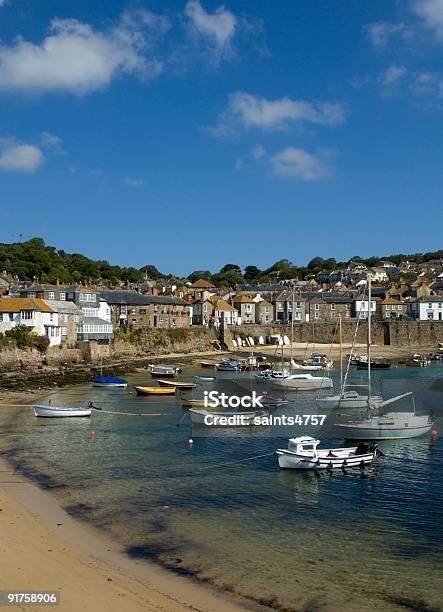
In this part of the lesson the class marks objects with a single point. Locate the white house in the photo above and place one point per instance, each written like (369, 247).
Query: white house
(427, 309)
(32, 312)
(361, 307)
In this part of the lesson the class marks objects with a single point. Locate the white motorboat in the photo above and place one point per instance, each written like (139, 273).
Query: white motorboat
(162, 371)
(319, 359)
(302, 454)
(303, 382)
(59, 411)
(224, 418)
(306, 368)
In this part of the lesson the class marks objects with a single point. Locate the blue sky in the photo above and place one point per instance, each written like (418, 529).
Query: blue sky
(193, 134)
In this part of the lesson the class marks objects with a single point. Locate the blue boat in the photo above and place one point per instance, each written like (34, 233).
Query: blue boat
(108, 381)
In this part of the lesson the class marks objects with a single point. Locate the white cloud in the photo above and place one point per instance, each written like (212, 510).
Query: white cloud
(132, 182)
(427, 84)
(217, 29)
(298, 164)
(248, 111)
(19, 157)
(381, 32)
(390, 78)
(76, 58)
(238, 163)
(431, 12)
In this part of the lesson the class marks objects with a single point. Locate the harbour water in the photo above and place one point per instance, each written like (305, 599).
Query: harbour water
(356, 541)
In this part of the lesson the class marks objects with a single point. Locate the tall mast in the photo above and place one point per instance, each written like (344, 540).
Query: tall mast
(292, 322)
(341, 354)
(369, 335)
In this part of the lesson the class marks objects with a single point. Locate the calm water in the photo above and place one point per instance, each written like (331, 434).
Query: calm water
(371, 541)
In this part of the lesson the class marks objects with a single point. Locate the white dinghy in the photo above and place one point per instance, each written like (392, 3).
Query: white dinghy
(302, 454)
(59, 411)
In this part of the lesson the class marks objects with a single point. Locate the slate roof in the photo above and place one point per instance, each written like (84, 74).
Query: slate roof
(135, 298)
(64, 307)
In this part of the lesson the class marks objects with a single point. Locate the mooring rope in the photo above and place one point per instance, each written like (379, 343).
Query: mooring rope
(208, 467)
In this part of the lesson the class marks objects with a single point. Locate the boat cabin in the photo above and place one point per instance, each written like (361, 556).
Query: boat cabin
(303, 444)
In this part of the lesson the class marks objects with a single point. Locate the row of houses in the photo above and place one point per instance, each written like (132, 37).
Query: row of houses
(75, 313)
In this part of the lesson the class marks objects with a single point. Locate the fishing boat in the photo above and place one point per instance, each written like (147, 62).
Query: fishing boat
(108, 381)
(203, 379)
(303, 382)
(59, 411)
(385, 425)
(224, 418)
(302, 454)
(176, 384)
(228, 366)
(155, 390)
(161, 371)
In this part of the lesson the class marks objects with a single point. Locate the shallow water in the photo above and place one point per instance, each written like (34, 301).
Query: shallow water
(353, 541)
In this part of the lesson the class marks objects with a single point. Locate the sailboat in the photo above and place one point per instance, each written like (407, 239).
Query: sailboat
(300, 382)
(388, 425)
(348, 398)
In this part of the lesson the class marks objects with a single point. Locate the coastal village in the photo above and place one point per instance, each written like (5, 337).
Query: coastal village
(68, 314)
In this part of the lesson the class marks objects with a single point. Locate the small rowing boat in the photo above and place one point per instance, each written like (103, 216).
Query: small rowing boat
(302, 454)
(108, 381)
(203, 379)
(155, 390)
(59, 411)
(176, 384)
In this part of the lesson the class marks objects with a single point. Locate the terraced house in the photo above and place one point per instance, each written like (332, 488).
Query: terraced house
(133, 310)
(328, 306)
(34, 313)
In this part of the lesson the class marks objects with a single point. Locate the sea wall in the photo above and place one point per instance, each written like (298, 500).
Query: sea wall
(413, 334)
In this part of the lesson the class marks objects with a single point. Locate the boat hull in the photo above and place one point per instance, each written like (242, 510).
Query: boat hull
(176, 385)
(293, 461)
(155, 390)
(56, 412)
(108, 381)
(303, 384)
(378, 434)
(343, 402)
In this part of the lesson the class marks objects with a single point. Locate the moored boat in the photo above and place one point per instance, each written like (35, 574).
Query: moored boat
(160, 371)
(155, 390)
(203, 379)
(208, 364)
(60, 411)
(108, 381)
(176, 384)
(349, 399)
(303, 382)
(229, 366)
(302, 454)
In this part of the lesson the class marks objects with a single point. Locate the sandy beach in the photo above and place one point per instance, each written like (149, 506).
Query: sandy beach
(45, 549)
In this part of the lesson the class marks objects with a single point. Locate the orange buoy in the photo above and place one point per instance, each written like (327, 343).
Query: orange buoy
(92, 434)
(190, 441)
(434, 434)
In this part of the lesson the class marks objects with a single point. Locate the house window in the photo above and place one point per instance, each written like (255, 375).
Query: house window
(27, 315)
(51, 317)
(31, 294)
(51, 295)
(90, 312)
(317, 315)
(86, 297)
(332, 306)
(429, 305)
(62, 296)
(348, 306)
(64, 331)
(317, 307)
(388, 307)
